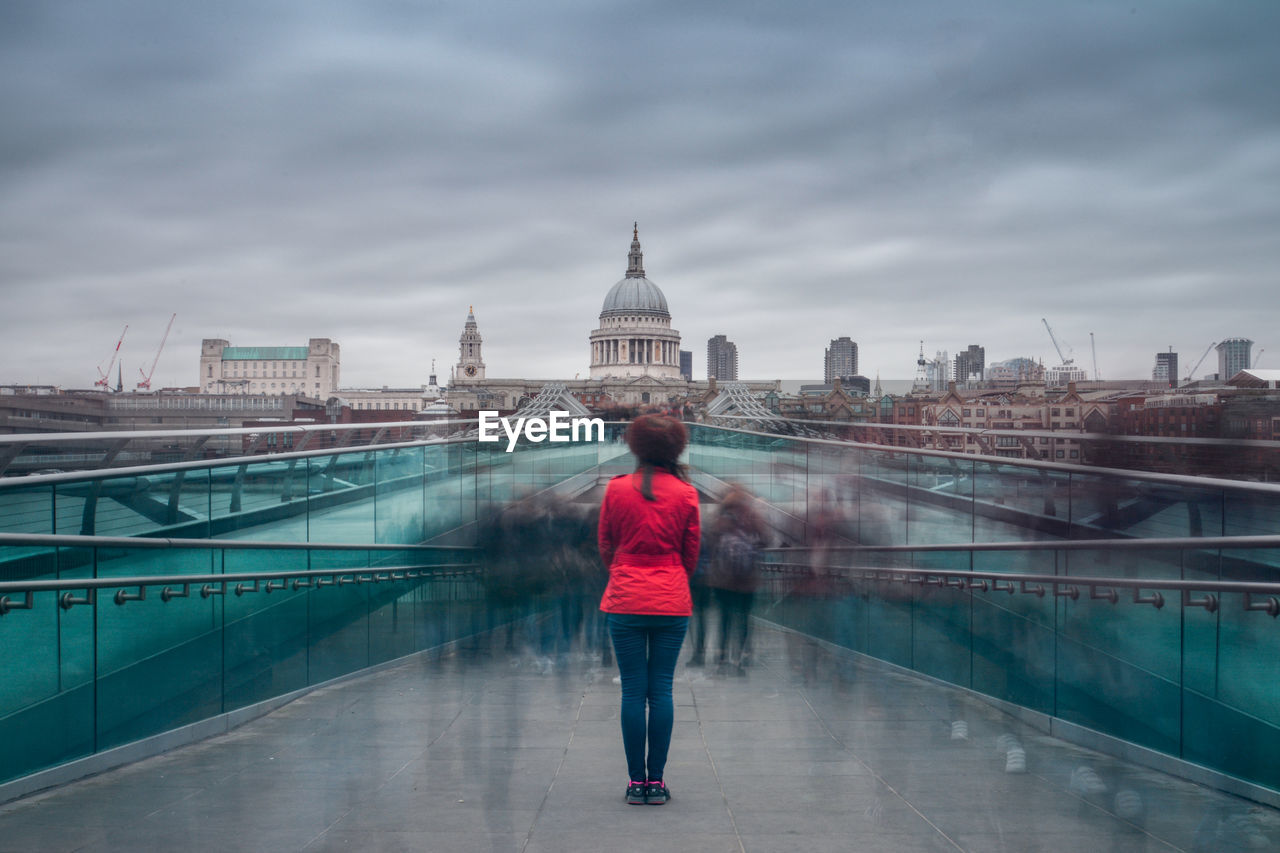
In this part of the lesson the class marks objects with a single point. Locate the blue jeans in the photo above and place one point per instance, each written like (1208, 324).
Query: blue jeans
(647, 648)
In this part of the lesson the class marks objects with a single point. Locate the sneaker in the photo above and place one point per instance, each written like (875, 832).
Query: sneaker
(656, 792)
(636, 794)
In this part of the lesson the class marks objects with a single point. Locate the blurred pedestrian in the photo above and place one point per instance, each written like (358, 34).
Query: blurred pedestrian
(737, 534)
(649, 535)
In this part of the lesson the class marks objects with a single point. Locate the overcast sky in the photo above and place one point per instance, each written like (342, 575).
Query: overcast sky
(950, 172)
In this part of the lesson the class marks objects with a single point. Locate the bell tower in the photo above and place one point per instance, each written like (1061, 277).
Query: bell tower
(470, 364)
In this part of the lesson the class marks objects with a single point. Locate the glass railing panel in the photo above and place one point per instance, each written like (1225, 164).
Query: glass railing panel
(882, 498)
(70, 501)
(1254, 513)
(341, 505)
(1119, 665)
(1200, 635)
(266, 632)
(182, 509)
(159, 665)
(940, 500)
(264, 499)
(1105, 506)
(1014, 634)
(338, 618)
(27, 509)
(400, 513)
(46, 704)
(889, 622)
(450, 489)
(391, 621)
(943, 618)
(1013, 503)
(1232, 722)
(495, 476)
(779, 470)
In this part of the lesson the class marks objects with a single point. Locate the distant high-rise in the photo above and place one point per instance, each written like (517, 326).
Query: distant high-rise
(840, 360)
(1166, 370)
(1233, 356)
(722, 359)
(970, 364)
(686, 364)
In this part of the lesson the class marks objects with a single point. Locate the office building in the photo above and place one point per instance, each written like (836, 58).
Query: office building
(840, 360)
(311, 371)
(1166, 369)
(722, 359)
(1234, 355)
(970, 364)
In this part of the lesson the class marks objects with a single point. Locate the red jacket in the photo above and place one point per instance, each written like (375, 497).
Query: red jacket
(650, 547)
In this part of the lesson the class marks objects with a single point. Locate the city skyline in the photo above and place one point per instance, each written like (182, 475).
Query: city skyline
(272, 173)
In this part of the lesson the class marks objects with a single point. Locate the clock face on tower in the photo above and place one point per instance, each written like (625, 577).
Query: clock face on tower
(470, 370)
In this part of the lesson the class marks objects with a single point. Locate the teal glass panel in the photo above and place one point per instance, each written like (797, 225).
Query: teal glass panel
(1119, 664)
(882, 498)
(940, 500)
(613, 456)
(1013, 503)
(41, 723)
(341, 505)
(264, 499)
(139, 504)
(448, 496)
(1237, 715)
(943, 621)
(400, 515)
(889, 622)
(77, 653)
(391, 620)
(182, 508)
(74, 508)
(266, 635)
(1253, 513)
(27, 509)
(1201, 635)
(1109, 507)
(495, 474)
(1014, 633)
(338, 616)
(158, 664)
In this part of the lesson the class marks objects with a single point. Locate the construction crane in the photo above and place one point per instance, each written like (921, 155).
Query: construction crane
(146, 375)
(1094, 347)
(1065, 360)
(104, 376)
(1193, 370)
(1257, 358)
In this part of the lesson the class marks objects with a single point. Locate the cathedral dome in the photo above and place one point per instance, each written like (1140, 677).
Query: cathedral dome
(635, 296)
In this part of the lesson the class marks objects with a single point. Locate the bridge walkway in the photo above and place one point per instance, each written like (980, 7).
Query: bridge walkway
(481, 749)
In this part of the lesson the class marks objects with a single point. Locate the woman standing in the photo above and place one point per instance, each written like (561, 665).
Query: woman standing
(649, 536)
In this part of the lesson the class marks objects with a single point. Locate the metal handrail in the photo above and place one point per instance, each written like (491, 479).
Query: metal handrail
(71, 540)
(1269, 444)
(281, 427)
(1181, 543)
(214, 584)
(1062, 586)
(1197, 481)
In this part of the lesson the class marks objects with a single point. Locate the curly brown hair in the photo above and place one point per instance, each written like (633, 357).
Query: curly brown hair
(657, 442)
